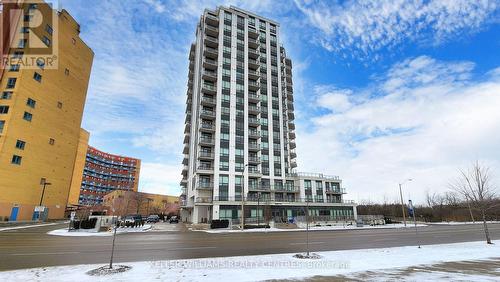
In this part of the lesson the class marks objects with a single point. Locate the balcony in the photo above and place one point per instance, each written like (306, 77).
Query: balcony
(186, 138)
(254, 147)
(211, 41)
(207, 141)
(293, 154)
(291, 115)
(208, 101)
(254, 54)
(253, 64)
(252, 33)
(293, 145)
(254, 109)
(206, 114)
(254, 133)
(205, 155)
(253, 74)
(254, 171)
(205, 186)
(258, 188)
(185, 161)
(254, 121)
(253, 97)
(207, 127)
(210, 64)
(203, 200)
(185, 150)
(291, 134)
(290, 106)
(253, 85)
(254, 159)
(253, 43)
(291, 125)
(293, 164)
(289, 88)
(209, 89)
(286, 188)
(210, 76)
(335, 191)
(211, 30)
(210, 52)
(203, 168)
(212, 20)
(187, 128)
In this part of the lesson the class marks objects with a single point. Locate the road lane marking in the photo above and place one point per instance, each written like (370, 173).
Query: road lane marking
(34, 254)
(191, 248)
(310, 243)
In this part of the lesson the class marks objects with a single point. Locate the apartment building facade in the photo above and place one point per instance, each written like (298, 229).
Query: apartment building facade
(98, 173)
(239, 143)
(41, 108)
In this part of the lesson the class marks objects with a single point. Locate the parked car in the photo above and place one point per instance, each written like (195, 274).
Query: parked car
(132, 220)
(153, 218)
(174, 219)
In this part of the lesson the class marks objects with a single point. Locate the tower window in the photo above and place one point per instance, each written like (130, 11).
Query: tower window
(31, 103)
(27, 116)
(20, 144)
(16, 159)
(37, 77)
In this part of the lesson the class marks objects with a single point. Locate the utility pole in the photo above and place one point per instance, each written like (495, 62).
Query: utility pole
(402, 202)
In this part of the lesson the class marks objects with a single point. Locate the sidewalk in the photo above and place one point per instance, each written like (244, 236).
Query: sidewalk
(28, 225)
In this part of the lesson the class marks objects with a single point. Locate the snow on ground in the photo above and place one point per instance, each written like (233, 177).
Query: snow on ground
(314, 228)
(26, 226)
(279, 266)
(462, 222)
(92, 232)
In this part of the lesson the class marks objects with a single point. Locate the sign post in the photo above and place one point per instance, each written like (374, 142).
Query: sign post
(71, 219)
(411, 212)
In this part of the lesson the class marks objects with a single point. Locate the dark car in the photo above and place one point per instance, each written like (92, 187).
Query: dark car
(132, 220)
(174, 219)
(153, 218)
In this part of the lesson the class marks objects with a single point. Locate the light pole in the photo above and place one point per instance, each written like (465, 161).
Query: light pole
(45, 184)
(243, 197)
(401, 195)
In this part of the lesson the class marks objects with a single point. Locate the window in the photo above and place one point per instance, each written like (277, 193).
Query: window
(22, 43)
(59, 105)
(11, 83)
(25, 30)
(66, 71)
(73, 41)
(46, 40)
(17, 54)
(224, 152)
(40, 63)
(224, 165)
(2, 125)
(52, 141)
(6, 95)
(49, 29)
(31, 103)
(4, 109)
(14, 68)
(27, 116)
(37, 77)
(27, 18)
(20, 144)
(16, 159)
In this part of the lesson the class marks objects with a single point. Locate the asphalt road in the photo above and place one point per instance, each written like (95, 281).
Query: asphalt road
(32, 247)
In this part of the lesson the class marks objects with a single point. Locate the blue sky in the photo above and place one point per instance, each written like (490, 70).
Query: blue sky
(384, 90)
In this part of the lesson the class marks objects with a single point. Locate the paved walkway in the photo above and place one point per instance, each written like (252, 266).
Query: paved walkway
(480, 270)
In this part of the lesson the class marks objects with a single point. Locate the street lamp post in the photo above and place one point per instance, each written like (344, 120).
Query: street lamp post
(243, 197)
(45, 184)
(402, 202)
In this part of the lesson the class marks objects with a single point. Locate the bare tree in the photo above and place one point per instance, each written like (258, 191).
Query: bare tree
(475, 187)
(138, 198)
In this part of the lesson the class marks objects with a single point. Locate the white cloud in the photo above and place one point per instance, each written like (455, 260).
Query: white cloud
(434, 120)
(367, 26)
(160, 178)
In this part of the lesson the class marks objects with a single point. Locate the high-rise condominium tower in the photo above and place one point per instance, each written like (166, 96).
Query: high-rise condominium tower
(239, 128)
